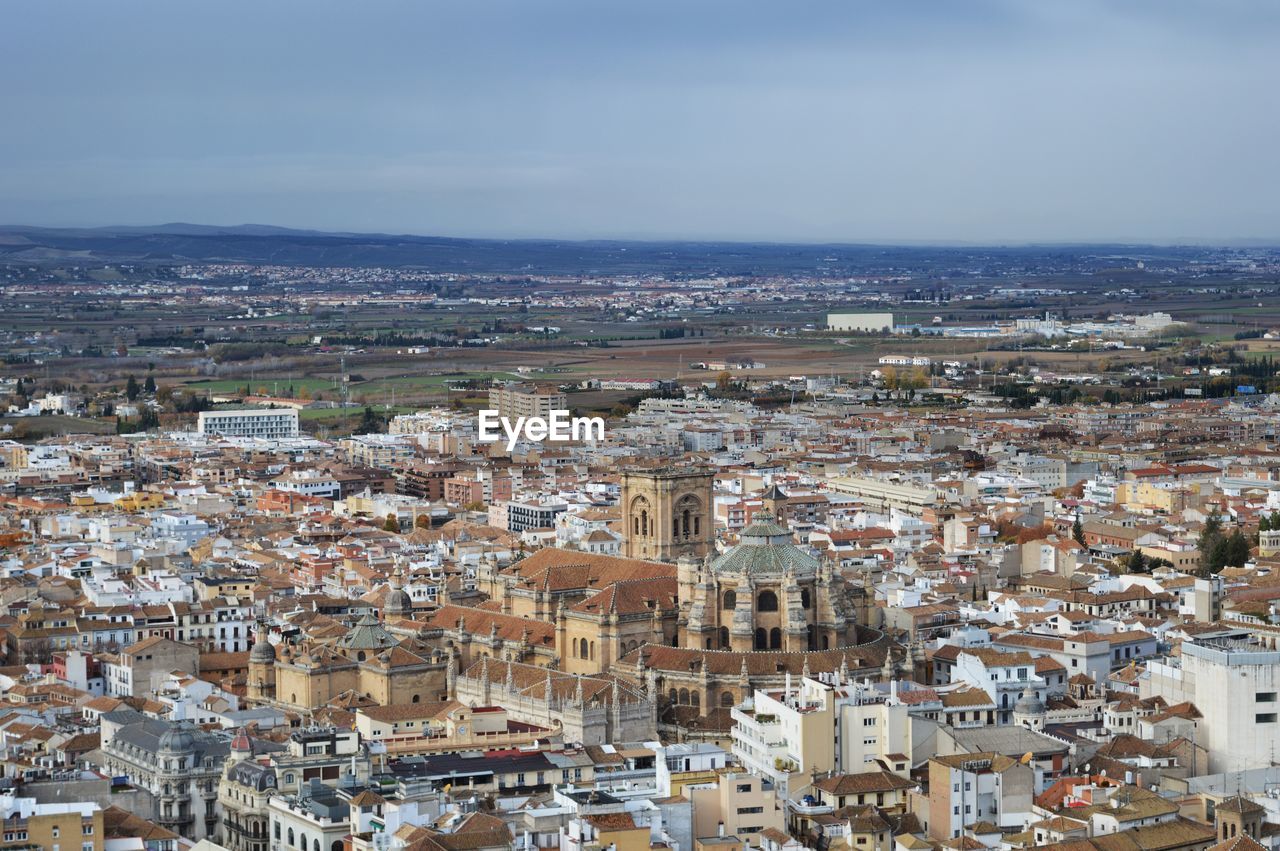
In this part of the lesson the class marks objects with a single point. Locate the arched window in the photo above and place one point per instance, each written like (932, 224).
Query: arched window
(315, 845)
(674, 696)
(767, 602)
(762, 639)
(826, 642)
(291, 842)
(697, 526)
(360, 656)
(812, 638)
(708, 643)
(684, 697)
(730, 599)
(302, 841)
(696, 698)
(726, 699)
(336, 846)
(724, 637)
(277, 830)
(805, 600)
(775, 639)
(593, 651)
(644, 523)
(417, 698)
(684, 524)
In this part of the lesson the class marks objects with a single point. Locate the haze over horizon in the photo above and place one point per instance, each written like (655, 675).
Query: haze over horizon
(995, 122)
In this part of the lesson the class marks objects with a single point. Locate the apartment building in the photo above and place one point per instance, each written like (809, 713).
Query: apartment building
(267, 423)
(525, 400)
(739, 804)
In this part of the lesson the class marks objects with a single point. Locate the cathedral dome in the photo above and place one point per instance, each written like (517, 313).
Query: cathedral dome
(398, 603)
(262, 651)
(765, 547)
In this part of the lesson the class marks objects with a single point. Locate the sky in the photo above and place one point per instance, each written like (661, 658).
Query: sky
(979, 121)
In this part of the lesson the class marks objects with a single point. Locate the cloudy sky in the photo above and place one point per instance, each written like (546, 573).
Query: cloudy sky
(808, 120)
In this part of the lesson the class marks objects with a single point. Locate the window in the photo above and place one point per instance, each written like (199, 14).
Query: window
(744, 787)
(742, 811)
(1265, 697)
(1265, 718)
(868, 722)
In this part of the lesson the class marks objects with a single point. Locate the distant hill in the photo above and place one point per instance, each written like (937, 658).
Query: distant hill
(192, 243)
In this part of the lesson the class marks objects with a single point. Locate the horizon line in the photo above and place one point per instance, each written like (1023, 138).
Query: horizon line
(1167, 242)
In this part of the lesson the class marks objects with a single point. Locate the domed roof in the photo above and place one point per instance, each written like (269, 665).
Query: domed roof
(1028, 703)
(177, 739)
(398, 602)
(242, 743)
(765, 547)
(262, 651)
(368, 634)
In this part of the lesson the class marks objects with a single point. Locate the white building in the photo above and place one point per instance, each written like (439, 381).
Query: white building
(865, 322)
(250, 422)
(1235, 683)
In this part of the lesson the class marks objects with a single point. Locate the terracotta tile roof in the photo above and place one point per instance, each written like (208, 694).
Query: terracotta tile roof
(863, 783)
(482, 622)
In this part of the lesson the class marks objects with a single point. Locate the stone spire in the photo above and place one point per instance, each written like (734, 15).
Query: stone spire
(577, 692)
(805, 671)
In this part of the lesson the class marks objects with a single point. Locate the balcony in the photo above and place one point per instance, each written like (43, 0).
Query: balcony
(809, 806)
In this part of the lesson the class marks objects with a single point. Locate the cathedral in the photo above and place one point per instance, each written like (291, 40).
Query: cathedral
(691, 629)
(765, 593)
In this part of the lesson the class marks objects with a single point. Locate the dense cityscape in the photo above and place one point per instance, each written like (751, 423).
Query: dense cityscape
(883, 562)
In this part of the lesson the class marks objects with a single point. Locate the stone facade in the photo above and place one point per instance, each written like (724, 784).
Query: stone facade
(585, 710)
(666, 513)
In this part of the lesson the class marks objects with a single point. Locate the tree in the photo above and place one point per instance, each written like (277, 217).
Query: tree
(131, 389)
(391, 524)
(422, 521)
(1077, 531)
(149, 386)
(724, 380)
(1235, 550)
(370, 422)
(1138, 563)
(1211, 544)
